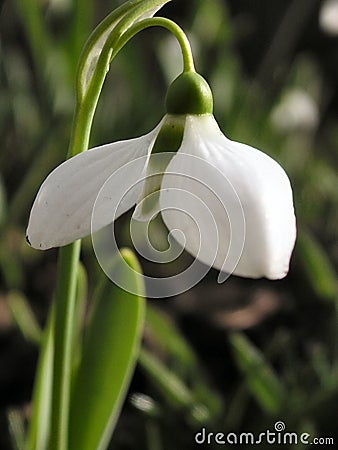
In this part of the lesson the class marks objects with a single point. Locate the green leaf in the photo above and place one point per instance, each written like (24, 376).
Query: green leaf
(39, 427)
(318, 267)
(171, 386)
(108, 360)
(167, 335)
(174, 390)
(37, 32)
(184, 363)
(79, 314)
(16, 428)
(24, 317)
(260, 378)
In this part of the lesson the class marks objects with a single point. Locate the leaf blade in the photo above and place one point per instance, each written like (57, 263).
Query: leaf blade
(39, 427)
(109, 357)
(260, 378)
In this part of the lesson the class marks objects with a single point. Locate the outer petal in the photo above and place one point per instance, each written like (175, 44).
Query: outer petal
(248, 195)
(62, 210)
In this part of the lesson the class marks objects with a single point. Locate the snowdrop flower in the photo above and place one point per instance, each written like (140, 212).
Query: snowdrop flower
(217, 172)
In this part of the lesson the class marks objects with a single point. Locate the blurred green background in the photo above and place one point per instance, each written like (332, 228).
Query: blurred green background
(232, 357)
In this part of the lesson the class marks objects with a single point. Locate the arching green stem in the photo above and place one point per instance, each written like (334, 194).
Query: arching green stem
(124, 30)
(105, 27)
(107, 33)
(188, 61)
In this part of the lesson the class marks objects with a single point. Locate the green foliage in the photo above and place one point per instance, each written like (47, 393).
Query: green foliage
(184, 385)
(318, 267)
(110, 352)
(259, 377)
(39, 427)
(194, 370)
(23, 316)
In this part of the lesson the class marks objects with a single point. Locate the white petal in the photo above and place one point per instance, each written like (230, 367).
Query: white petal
(62, 210)
(148, 202)
(247, 193)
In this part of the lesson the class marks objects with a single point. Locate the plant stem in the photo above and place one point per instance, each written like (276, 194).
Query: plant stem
(65, 296)
(87, 98)
(64, 314)
(113, 26)
(171, 26)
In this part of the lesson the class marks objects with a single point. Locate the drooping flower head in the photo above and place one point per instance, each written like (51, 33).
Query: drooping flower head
(228, 204)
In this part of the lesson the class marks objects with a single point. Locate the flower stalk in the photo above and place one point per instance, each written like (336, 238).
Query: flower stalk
(65, 295)
(163, 22)
(64, 319)
(87, 99)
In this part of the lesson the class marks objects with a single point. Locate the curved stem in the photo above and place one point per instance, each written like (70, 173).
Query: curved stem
(87, 99)
(128, 26)
(188, 60)
(123, 32)
(114, 25)
(96, 36)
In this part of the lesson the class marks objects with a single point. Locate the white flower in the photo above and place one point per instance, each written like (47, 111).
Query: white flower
(232, 203)
(62, 209)
(245, 174)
